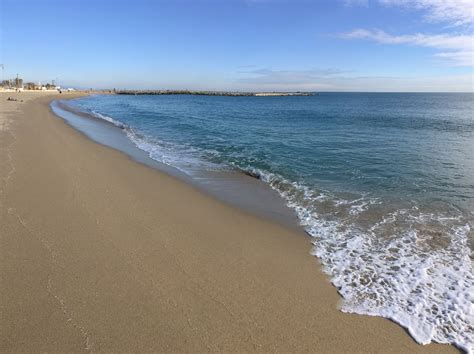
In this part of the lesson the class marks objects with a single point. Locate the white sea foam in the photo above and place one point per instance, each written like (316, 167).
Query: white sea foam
(109, 119)
(412, 267)
(183, 158)
(180, 157)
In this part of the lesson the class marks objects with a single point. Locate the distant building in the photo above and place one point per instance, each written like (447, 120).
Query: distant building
(30, 86)
(12, 84)
(17, 84)
(6, 84)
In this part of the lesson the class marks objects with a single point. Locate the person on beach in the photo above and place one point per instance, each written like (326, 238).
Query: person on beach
(13, 99)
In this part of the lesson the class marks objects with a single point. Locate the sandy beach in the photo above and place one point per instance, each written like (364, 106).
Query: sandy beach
(101, 253)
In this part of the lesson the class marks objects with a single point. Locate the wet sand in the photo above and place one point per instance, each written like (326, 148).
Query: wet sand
(99, 252)
(233, 187)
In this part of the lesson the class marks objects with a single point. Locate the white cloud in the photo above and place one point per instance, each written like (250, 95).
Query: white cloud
(458, 58)
(268, 76)
(440, 41)
(335, 80)
(351, 3)
(454, 12)
(460, 47)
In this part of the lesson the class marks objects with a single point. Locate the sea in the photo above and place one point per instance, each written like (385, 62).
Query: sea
(383, 184)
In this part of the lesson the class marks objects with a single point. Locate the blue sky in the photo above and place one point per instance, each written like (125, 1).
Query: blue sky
(326, 45)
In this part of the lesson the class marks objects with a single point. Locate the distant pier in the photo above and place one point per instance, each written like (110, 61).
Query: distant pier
(209, 93)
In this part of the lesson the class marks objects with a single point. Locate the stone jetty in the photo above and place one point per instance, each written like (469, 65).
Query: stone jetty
(209, 93)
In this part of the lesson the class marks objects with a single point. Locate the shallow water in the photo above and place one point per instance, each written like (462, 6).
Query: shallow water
(384, 183)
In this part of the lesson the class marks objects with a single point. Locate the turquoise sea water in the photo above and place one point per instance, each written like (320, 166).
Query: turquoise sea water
(383, 183)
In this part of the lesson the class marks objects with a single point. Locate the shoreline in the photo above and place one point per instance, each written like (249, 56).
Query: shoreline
(103, 253)
(234, 187)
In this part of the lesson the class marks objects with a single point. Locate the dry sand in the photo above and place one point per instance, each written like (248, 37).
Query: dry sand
(99, 252)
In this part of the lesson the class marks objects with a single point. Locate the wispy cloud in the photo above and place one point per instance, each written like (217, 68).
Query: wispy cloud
(351, 3)
(460, 48)
(440, 41)
(246, 66)
(453, 12)
(286, 77)
(458, 58)
(336, 80)
(457, 49)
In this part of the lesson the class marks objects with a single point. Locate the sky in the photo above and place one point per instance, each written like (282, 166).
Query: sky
(242, 45)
